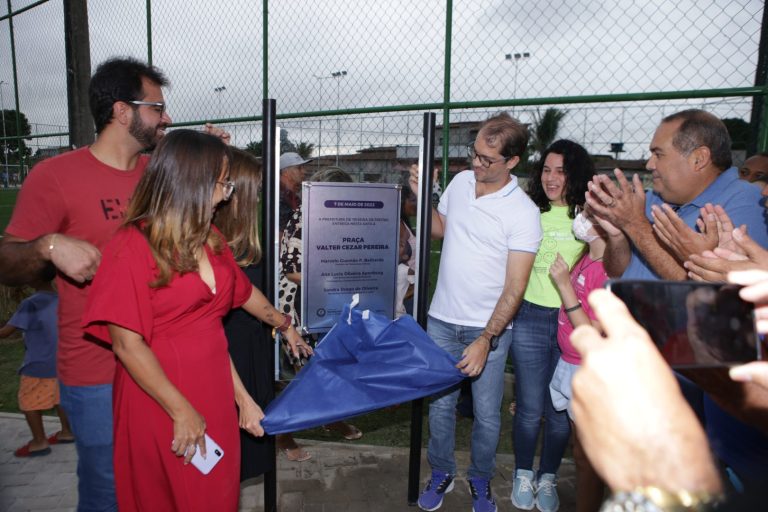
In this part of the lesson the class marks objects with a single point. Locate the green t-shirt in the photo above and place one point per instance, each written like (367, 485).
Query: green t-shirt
(557, 238)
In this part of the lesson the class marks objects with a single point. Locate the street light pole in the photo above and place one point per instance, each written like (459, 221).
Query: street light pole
(320, 78)
(5, 142)
(218, 90)
(338, 75)
(516, 58)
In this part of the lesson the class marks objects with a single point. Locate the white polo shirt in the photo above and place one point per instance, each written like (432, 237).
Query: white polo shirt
(479, 233)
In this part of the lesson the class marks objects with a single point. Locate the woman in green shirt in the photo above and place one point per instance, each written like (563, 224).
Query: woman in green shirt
(557, 186)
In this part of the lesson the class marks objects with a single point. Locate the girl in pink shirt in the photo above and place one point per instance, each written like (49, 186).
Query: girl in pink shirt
(574, 288)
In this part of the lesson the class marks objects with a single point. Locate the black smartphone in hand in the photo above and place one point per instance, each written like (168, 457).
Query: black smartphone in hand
(694, 324)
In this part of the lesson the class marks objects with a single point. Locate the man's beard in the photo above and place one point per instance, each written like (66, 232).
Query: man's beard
(147, 136)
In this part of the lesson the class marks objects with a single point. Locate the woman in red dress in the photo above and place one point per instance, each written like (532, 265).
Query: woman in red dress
(164, 284)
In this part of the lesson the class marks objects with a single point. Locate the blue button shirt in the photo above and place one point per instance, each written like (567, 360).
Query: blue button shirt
(740, 199)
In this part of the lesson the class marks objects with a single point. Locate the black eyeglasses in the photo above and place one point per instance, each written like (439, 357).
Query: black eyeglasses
(484, 160)
(159, 105)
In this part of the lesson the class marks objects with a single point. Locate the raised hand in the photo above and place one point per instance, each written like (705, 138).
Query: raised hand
(620, 204)
(714, 265)
(678, 237)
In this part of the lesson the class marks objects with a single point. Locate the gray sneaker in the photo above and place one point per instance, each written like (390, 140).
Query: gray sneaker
(523, 490)
(547, 499)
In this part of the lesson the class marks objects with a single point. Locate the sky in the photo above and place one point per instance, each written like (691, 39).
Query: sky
(394, 53)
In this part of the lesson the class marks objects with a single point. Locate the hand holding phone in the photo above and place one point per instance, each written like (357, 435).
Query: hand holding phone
(693, 324)
(214, 453)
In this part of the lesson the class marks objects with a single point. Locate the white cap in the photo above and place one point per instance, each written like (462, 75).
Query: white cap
(292, 160)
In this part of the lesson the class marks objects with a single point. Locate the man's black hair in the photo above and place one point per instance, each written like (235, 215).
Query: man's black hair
(119, 79)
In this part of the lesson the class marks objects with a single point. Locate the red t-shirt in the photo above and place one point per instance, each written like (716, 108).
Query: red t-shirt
(76, 195)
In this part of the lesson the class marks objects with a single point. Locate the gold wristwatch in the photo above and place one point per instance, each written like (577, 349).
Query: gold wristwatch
(654, 499)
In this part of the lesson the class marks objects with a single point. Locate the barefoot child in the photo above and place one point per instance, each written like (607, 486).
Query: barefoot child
(38, 387)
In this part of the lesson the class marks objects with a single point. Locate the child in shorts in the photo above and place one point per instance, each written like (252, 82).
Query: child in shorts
(38, 387)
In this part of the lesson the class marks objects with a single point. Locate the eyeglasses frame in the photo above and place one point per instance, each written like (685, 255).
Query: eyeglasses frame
(484, 160)
(159, 104)
(227, 185)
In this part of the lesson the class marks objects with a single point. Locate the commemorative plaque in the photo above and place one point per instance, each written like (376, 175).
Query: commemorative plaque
(349, 246)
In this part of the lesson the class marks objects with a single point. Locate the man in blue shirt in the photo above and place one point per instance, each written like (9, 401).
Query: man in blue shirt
(691, 166)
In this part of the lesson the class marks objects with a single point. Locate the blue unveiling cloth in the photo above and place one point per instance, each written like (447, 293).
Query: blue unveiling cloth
(364, 363)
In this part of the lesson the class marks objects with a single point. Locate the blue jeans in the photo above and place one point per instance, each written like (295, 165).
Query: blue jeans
(487, 392)
(535, 354)
(89, 409)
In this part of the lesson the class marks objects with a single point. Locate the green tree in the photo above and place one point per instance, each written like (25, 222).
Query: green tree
(286, 144)
(15, 147)
(305, 149)
(544, 129)
(254, 147)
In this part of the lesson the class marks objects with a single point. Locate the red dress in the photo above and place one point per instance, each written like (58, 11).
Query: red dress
(182, 324)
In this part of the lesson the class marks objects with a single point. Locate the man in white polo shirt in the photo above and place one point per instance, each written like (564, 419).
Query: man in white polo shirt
(491, 232)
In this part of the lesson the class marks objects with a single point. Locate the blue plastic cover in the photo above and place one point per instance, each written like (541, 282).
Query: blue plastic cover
(364, 363)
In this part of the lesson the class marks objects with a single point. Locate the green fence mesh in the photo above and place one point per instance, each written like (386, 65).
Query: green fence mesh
(353, 77)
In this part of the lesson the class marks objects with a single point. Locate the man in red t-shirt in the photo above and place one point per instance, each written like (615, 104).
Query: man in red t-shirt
(68, 208)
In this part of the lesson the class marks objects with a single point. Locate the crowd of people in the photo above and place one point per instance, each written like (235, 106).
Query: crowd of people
(533, 269)
(162, 334)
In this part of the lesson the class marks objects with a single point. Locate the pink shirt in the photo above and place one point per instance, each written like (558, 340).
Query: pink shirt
(586, 276)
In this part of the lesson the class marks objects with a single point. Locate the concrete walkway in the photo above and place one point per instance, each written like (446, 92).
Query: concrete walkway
(341, 476)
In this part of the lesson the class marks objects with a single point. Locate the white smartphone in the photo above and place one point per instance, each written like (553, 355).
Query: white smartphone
(213, 454)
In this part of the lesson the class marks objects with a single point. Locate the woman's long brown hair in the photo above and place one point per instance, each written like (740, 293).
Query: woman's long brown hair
(238, 219)
(173, 206)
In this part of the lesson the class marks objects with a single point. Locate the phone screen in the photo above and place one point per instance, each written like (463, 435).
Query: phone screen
(694, 324)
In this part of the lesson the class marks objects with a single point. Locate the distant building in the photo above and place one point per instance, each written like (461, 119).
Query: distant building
(390, 164)
(386, 164)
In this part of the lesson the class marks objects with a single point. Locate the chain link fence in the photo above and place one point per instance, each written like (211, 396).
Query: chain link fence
(353, 77)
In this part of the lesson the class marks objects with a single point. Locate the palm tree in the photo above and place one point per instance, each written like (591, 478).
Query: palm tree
(305, 149)
(544, 129)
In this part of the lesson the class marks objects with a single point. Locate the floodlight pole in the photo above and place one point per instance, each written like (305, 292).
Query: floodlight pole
(338, 75)
(320, 78)
(515, 58)
(218, 90)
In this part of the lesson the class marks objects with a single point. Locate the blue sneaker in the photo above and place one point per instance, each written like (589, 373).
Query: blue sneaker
(482, 497)
(432, 496)
(546, 493)
(523, 491)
